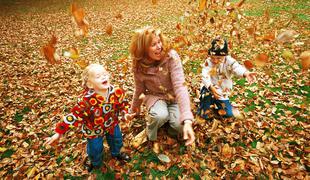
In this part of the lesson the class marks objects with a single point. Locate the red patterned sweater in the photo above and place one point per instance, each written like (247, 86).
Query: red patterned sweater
(97, 114)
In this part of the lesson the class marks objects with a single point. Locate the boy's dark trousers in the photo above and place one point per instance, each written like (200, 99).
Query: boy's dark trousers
(206, 100)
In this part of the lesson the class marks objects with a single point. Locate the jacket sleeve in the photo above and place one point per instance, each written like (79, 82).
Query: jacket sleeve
(206, 78)
(139, 89)
(123, 105)
(73, 119)
(179, 87)
(238, 69)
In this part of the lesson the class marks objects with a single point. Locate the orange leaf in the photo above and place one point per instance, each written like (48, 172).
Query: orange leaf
(222, 112)
(248, 64)
(49, 51)
(109, 29)
(261, 60)
(154, 2)
(269, 37)
(305, 60)
(79, 15)
(178, 26)
(239, 4)
(202, 5)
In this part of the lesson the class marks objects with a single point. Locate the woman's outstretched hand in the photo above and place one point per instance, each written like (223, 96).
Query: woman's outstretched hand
(188, 133)
(50, 140)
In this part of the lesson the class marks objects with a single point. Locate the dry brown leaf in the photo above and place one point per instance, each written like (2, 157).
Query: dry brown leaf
(109, 29)
(119, 16)
(305, 60)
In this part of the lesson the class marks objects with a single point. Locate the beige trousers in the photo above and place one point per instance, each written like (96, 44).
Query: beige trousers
(160, 113)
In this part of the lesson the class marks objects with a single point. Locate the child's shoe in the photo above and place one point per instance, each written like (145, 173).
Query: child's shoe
(123, 157)
(91, 167)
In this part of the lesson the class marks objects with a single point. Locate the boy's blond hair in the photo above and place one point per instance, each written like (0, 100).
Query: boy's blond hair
(140, 43)
(86, 72)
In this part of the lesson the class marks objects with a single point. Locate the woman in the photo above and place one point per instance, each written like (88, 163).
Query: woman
(159, 84)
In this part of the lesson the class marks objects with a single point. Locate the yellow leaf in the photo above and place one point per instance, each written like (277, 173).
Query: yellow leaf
(2, 149)
(202, 5)
(82, 63)
(227, 151)
(287, 55)
(31, 172)
(139, 139)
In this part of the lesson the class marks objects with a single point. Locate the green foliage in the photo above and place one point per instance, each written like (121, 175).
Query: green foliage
(254, 143)
(7, 154)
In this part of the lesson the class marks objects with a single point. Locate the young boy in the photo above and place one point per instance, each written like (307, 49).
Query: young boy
(216, 79)
(97, 112)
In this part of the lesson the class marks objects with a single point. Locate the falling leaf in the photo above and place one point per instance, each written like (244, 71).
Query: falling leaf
(202, 4)
(305, 60)
(49, 51)
(164, 158)
(82, 63)
(287, 55)
(239, 4)
(286, 36)
(79, 17)
(248, 64)
(72, 53)
(261, 60)
(269, 37)
(109, 29)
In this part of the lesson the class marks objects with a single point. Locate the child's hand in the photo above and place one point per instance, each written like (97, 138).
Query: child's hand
(215, 93)
(50, 140)
(129, 117)
(250, 76)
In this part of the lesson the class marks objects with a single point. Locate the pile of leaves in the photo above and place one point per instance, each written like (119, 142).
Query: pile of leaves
(45, 46)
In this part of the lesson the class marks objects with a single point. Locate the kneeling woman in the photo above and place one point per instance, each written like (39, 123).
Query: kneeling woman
(160, 84)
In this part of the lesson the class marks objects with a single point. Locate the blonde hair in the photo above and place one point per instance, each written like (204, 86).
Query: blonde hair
(86, 73)
(140, 43)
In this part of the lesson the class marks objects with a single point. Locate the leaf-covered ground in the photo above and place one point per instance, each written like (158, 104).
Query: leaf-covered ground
(270, 141)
